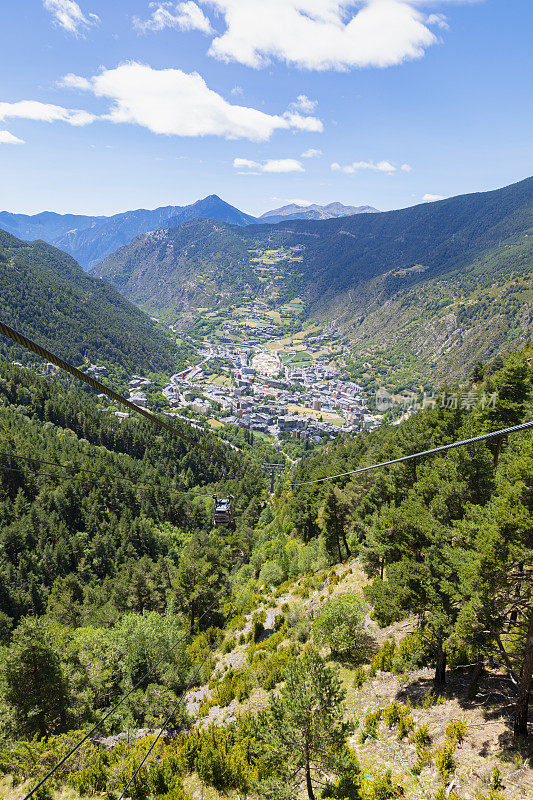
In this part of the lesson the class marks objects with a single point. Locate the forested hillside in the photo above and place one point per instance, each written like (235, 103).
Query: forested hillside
(391, 607)
(201, 263)
(446, 283)
(46, 295)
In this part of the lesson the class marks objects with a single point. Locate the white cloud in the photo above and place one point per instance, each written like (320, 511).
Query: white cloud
(303, 103)
(187, 16)
(380, 166)
(311, 124)
(8, 138)
(311, 153)
(271, 165)
(237, 90)
(439, 20)
(321, 34)
(72, 81)
(430, 198)
(69, 16)
(44, 112)
(240, 163)
(173, 102)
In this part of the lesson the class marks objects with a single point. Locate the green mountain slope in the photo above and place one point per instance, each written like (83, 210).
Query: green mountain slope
(46, 294)
(438, 273)
(198, 264)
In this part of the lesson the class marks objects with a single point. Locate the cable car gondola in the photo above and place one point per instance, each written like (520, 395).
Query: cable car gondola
(223, 512)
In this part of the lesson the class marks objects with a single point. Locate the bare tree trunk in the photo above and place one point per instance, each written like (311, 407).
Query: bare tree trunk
(440, 667)
(339, 547)
(348, 551)
(310, 792)
(474, 678)
(497, 451)
(522, 703)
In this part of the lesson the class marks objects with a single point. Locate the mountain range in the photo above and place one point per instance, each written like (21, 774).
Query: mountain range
(89, 239)
(332, 210)
(445, 282)
(430, 288)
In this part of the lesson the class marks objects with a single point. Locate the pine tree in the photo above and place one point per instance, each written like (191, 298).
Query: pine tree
(35, 687)
(333, 522)
(499, 576)
(302, 734)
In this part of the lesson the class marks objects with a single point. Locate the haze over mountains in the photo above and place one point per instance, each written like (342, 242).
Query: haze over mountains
(450, 281)
(313, 211)
(89, 239)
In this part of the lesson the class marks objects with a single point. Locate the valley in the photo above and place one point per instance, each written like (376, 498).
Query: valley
(275, 388)
(419, 294)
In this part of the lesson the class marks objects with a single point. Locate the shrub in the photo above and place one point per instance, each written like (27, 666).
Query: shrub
(236, 685)
(339, 624)
(359, 677)
(445, 762)
(370, 725)
(392, 713)
(383, 658)
(432, 699)
(442, 794)
(44, 792)
(496, 781)
(295, 616)
(279, 621)
(258, 625)
(93, 778)
(421, 736)
(303, 632)
(271, 671)
(410, 652)
(398, 714)
(217, 758)
(385, 601)
(405, 724)
(229, 644)
(6, 625)
(456, 731)
(381, 788)
(424, 755)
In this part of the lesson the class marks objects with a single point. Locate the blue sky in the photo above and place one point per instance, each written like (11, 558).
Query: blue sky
(108, 106)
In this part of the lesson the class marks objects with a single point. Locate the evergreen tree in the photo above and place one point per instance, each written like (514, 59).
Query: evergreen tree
(333, 522)
(303, 732)
(35, 687)
(499, 576)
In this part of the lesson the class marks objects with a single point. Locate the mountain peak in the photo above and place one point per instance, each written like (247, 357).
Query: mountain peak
(90, 239)
(313, 211)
